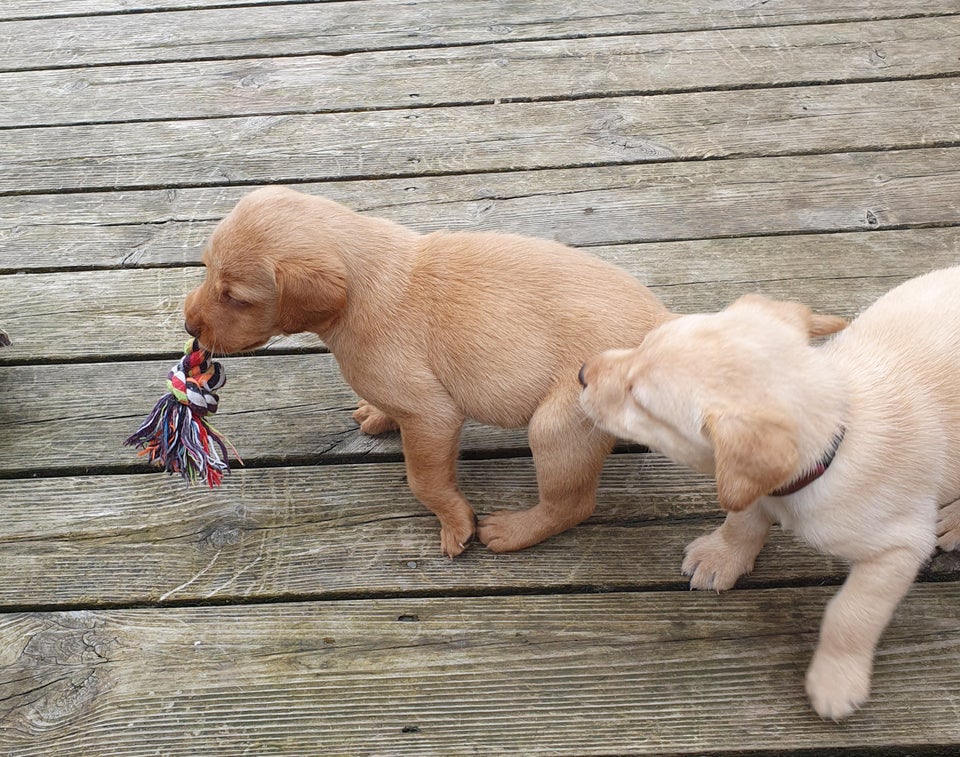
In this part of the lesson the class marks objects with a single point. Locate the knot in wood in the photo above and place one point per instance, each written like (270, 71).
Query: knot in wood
(220, 535)
(59, 674)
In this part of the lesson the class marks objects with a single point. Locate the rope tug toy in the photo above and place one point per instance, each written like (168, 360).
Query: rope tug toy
(177, 434)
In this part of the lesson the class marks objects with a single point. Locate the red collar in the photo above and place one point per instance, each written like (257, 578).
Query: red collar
(818, 469)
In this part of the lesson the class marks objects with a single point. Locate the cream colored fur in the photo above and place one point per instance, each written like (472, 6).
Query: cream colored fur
(742, 395)
(431, 330)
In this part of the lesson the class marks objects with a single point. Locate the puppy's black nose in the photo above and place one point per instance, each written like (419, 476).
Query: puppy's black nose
(580, 377)
(190, 329)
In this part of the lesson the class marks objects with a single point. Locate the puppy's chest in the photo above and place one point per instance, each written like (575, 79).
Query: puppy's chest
(819, 523)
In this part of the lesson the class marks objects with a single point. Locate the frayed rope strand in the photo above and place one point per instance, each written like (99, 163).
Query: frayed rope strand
(177, 435)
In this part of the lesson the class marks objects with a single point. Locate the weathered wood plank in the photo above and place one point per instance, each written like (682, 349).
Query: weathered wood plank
(105, 314)
(354, 530)
(599, 66)
(293, 408)
(595, 206)
(665, 673)
(517, 136)
(27, 9)
(681, 15)
(343, 27)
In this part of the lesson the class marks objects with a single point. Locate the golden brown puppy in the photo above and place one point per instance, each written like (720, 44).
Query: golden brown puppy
(431, 330)
(853, 445)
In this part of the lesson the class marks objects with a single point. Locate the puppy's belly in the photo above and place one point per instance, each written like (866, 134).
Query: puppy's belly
(492, 404)
(497, 390)
(501, 406)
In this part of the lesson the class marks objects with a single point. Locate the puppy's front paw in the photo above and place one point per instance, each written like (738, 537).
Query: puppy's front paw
(838, 685)
(948, 527)
(506, 531)
(372, 420)
(456, 534)
(715, 563)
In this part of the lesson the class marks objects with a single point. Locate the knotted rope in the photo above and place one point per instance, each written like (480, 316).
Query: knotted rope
(177, 435)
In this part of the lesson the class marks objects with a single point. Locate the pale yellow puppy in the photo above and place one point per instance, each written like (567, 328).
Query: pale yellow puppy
(430, 330)
(853, 445)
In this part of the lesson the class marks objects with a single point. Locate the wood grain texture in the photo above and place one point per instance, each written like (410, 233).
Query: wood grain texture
(343, 27)
(355, 530)
(682, 15)
(27, 9)
(504, 72)
(336, 531)
(128, 313)
(484, 138)
(582, 207)
(665, 673)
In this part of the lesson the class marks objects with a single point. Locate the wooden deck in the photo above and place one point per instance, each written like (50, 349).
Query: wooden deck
(807, 150)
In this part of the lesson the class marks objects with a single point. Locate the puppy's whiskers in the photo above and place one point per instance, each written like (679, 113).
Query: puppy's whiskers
(595, 426)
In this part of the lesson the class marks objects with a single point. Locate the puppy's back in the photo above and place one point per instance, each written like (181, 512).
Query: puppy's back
(544, 288)
(522, 312)
(916, 324)
(904, 351)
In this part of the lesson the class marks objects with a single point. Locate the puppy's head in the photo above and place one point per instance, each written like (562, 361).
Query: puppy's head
(715, 392)
(273, 267)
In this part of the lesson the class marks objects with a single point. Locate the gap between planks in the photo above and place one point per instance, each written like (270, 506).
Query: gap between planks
(224, 33)
(513, 72)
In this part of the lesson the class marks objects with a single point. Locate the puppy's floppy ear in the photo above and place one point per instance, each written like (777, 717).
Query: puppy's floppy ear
(754, 454)
(309, 292)
(796, 314)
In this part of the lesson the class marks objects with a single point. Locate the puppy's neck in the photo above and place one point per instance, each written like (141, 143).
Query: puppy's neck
(820, 409)
(815, 471)
(377, 256)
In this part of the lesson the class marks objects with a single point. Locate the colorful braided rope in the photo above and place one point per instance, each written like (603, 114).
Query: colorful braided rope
(177, 435)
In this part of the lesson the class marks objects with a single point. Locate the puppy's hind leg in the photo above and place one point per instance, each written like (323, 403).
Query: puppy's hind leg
(568, 453)
(430, 451)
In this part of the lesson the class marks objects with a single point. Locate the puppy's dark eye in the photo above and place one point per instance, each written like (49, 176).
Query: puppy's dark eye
(232, 301)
